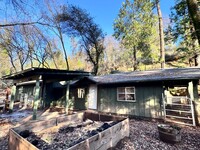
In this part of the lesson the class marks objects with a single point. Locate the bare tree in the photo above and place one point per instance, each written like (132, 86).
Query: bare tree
(11, 42)
(53, 24)
(77, 22)
(25, 45)
(38, 45)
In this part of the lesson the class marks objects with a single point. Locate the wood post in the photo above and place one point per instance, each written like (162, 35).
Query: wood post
(190, 90)
(196, 102)
(193, 93)
(67, 98)
(12, 100)
(43, 93)
(193, 90)
(36, 98)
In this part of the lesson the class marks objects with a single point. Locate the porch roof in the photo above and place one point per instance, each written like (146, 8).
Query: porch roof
(151, 75)
(46, 73)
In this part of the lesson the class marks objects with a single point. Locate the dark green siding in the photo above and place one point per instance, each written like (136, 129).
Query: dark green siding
(25, 89)
(148, 98)
(56, 96)
(80, 103)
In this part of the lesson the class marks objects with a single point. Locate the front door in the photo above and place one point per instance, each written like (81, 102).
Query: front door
(92, 100)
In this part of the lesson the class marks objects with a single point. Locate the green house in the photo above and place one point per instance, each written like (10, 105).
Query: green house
(139, 93)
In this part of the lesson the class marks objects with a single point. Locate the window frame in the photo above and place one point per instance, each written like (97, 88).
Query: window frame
(126, 93)
(80, 93)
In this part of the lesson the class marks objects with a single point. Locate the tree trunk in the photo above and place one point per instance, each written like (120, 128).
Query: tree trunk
(195, 60)
(63, 46)
(12, 61)
(161, 35)
(95, 69)
(134, 59)
(195, 15)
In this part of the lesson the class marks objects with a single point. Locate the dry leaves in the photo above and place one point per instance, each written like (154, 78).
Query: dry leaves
(144, 135)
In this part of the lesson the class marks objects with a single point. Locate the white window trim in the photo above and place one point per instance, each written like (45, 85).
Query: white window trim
(80, 92)
(125, 94)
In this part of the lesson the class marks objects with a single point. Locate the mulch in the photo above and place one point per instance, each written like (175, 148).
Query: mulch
(144, 136)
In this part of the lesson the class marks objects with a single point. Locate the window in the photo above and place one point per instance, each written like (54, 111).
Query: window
(126, 94)
(81, 92)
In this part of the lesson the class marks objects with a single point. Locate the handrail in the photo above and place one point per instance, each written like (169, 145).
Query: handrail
(188, 106)
(179, 111)
(180, 104)
(179, 117)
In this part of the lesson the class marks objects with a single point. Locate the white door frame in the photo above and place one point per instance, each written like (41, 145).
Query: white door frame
(92, 99)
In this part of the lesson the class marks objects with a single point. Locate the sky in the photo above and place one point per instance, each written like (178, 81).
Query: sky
(105, 11)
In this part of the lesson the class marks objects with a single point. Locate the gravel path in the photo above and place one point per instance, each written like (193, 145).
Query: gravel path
(144, 136)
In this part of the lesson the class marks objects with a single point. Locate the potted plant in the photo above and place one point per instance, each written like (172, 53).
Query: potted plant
(169, 133)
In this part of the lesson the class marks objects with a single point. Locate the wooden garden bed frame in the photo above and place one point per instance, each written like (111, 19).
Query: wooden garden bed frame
(101, 141)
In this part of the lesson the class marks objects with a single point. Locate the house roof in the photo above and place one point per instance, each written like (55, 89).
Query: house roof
(52, 74)
(151, 75)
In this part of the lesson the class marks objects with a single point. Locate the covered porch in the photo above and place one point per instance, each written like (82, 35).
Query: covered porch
(39, 85)
(180, 100)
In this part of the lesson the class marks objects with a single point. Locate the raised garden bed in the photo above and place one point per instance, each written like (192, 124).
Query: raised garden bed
(82, 131)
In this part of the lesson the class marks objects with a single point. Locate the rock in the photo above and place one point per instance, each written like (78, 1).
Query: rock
(35, 142)
(25, 133)
(80, 140)
(92, 133)
(66, 129)
(105, 126)
(79, 126)
(100, 129)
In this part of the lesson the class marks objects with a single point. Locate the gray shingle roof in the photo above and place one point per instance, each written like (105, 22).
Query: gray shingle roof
(151, 75)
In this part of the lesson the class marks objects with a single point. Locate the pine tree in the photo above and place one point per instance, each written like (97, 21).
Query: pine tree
(135, 27)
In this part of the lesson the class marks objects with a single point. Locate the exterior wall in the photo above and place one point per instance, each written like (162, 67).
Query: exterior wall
(80, 103)
(57, 96)
(25, 89)
(148, 100)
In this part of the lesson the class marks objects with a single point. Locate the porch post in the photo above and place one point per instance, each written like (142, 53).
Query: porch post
(193, 93)
(190, 90)
(43, 93)
(13, 93)
(36, 98)
(193, 90)
(67, 98)
(196, 103)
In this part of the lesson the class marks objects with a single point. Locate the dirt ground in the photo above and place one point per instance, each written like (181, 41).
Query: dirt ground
(8, 121)
(17, 118)
(143, 135)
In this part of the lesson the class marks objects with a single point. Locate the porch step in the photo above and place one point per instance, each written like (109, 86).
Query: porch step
(189, 123)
